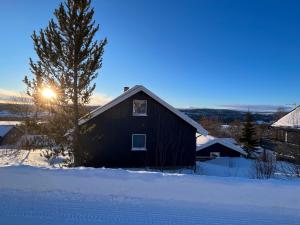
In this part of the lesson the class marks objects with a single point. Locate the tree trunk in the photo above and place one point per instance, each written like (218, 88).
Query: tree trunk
(76, 146)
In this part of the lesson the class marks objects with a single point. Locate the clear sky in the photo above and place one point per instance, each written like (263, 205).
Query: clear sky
(191, 53)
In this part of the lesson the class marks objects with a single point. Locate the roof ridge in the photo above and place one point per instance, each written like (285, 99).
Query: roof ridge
(286, 115)
(218, 140)
(135, 89)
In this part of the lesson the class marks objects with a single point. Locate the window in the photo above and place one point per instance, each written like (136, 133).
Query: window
(139, 108)
(214, 154)
(138, 142)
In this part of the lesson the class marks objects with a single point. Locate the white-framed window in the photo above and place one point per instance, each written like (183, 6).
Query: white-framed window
(214, 154)
(138, 142)
(139, 107)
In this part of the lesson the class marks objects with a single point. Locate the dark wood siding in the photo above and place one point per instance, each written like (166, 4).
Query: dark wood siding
(171, 141)
(291, 136)
(224, 151)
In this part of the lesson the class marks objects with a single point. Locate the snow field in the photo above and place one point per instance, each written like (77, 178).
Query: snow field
(32, 192)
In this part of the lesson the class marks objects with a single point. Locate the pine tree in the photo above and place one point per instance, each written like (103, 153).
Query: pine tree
(68, 58)
(248, 134)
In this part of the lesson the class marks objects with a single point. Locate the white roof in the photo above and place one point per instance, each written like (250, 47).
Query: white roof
(207, 140)
(133, 91)
(13, 123)
(290, 120)
(204, 139)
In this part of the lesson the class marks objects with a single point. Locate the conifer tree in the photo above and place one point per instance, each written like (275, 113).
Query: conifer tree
(248, 138)
(68, 58)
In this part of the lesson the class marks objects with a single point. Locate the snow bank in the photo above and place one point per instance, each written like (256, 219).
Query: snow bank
(122, 184)
(227, 167)
(32, 195)
(203, 139)
(15, 157)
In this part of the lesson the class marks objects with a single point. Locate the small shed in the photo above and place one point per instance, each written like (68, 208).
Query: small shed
(209, 147)
(9, 132)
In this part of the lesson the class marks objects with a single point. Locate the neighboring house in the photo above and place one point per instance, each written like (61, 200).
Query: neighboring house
(139, 129)
(209, 147)
(287, 128)
(9, 132)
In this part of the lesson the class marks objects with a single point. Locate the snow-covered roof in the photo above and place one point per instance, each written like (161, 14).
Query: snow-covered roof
(6, 126)
(290, 120)
(4, 129)
(13, 123)
(208, 140)
(130, 93)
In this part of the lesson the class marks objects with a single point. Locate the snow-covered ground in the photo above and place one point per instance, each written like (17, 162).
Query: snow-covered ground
(44, 195)
(227, 167)
(224, 167)
(15, 157)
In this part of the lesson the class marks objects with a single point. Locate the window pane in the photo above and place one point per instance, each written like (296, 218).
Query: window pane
(139, 107)
(139, 141)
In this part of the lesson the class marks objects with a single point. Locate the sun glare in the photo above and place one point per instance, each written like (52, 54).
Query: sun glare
(48, 93)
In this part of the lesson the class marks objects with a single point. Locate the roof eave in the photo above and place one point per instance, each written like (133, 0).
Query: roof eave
(133, 91)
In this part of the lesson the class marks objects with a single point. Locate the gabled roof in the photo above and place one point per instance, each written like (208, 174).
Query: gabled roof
(290, 120)
(207, 140)
(130, 93)
(4, 129)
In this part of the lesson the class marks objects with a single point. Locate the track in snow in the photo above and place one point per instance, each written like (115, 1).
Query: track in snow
(21, 208)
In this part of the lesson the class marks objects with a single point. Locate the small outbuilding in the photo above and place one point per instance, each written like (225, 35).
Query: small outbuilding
(9, 132)
(209, 147)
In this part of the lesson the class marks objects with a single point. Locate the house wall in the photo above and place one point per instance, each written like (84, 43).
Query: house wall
(291, 136)
(224, 151)
(171, 141)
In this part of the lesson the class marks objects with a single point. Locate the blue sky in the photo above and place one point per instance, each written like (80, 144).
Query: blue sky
(191, 53)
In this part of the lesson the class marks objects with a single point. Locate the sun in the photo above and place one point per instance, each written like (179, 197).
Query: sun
(48, 93)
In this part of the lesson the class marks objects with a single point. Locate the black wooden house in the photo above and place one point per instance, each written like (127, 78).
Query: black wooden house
(138, 129)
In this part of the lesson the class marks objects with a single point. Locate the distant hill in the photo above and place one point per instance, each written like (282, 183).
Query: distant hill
(15, 112)
(227, 116)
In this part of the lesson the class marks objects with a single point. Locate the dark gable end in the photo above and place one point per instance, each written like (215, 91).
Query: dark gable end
(134, 91)
(170, 140)
(217, 147)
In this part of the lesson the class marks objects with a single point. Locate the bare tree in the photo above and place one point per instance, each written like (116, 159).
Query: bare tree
(212, 125)
(290, 156)
(265, 165)
(234, 130)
